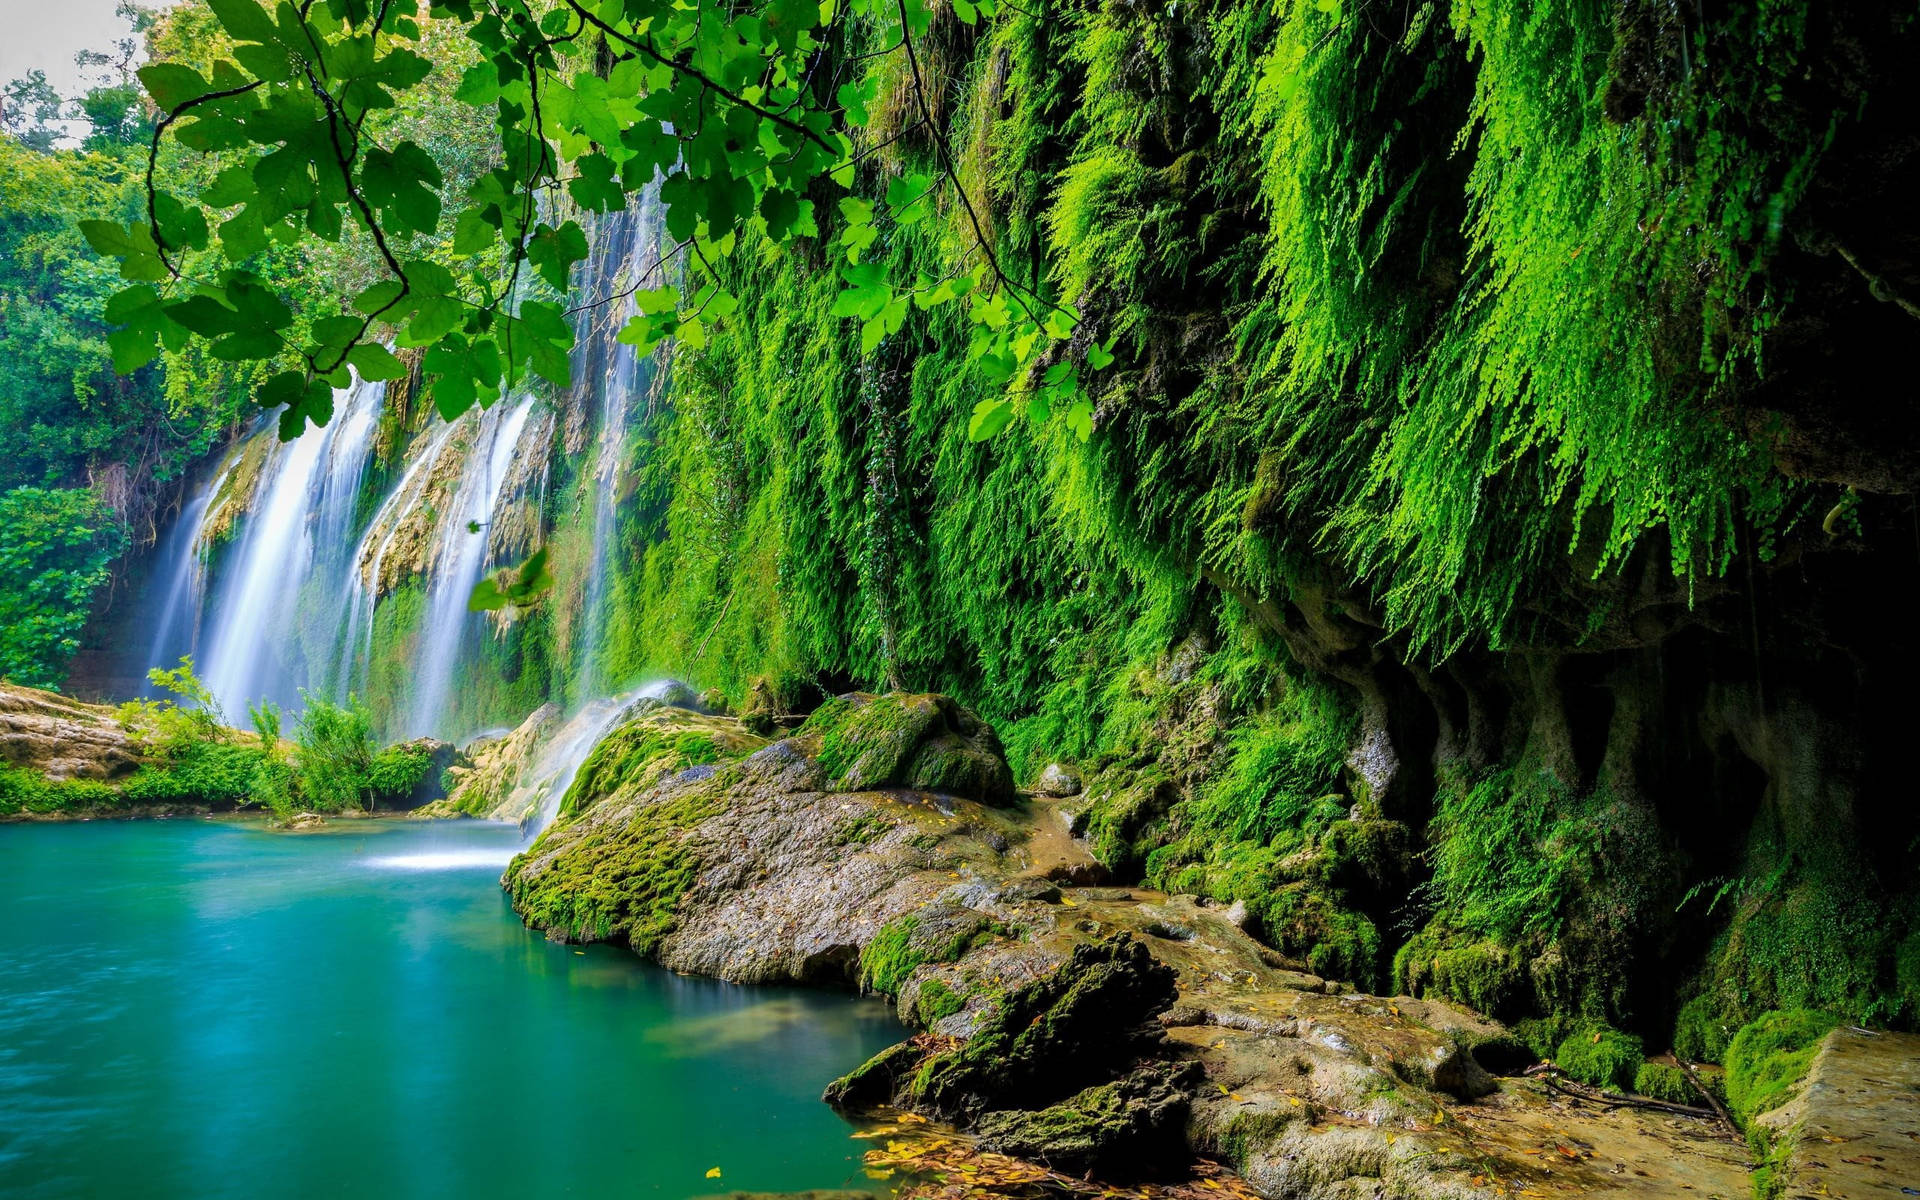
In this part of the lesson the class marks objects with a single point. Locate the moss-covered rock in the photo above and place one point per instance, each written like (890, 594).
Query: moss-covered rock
(1080, 1026)
(1601, 1056)
(1701, 1031)
(1129, 1129)
(1664, 1081)
(1479, 973)
(623, 884)
(940, 933)
(899, 740)
(1769, 1056)
(662, 740)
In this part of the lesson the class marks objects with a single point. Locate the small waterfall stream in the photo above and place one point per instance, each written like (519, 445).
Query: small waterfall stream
(459, 560)
(177, 627)
(626, 258)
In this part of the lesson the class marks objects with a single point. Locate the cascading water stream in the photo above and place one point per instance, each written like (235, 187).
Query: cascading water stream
(460, 559)
(363, 581)
(178, 627)
(305, 495)
(628, 259)
(557, 765)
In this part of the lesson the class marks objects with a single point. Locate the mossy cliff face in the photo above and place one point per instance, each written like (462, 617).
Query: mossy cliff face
(1485, 466)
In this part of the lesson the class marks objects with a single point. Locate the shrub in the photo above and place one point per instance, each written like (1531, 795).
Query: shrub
(394, 773)
(335, 761)
(24, 791)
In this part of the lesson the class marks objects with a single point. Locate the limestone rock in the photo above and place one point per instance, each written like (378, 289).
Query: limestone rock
(62, 738)
(1058, 779)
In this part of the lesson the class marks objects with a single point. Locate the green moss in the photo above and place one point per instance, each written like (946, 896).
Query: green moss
(865, 829)
(908, 942)
(1701, 1032)
(888, 959)
(869, 742)
(622, 881)
(1662, 1081)
(937, 1000)
(1478, 973)
(1598, 1055)
(1769, 1056)
(651, 747)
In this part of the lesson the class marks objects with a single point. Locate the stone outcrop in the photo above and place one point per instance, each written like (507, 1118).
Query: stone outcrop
(1116, 1031)
(61, 738)
(1852, 1131)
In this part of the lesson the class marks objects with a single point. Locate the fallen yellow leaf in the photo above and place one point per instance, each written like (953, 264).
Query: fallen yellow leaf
(713, 1172)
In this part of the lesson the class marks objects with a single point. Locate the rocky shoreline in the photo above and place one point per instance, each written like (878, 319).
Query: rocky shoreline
(1074, 1037)
(1107, 1033)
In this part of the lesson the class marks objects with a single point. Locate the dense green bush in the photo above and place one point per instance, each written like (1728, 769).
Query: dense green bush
(24, 791)
(334, 763)
(57, 547)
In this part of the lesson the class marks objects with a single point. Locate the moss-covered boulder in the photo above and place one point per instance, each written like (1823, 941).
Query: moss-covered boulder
(662, 741)
(1081, 1026)
(901, 740)
(1132, 1128)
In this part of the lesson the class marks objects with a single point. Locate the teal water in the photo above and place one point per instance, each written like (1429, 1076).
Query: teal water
(206, 1009)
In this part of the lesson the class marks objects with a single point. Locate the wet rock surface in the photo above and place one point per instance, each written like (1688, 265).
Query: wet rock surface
(1120, 1033)
(1853, 1131)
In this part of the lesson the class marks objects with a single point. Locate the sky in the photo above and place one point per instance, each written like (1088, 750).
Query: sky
(46, 34)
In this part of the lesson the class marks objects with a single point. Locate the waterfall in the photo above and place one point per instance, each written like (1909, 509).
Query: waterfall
(626, 259)
(295, 523)
(370, 556)
(178, 626)
(277, 579)
(460, 560)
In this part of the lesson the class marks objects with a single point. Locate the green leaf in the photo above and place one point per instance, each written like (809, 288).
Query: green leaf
(1080, 418)
(1100, 357)
(377, 297)
(376, 363)
(989, 418)
(171, 84)
(245, 20)
(315, 404)
(554, 251)
(132, 349)
(472, 233)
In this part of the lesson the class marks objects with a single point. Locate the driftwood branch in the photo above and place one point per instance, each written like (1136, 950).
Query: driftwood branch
(1720, 1110)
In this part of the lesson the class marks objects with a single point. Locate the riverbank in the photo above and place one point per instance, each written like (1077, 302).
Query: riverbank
(64, 759)
(1106, 1032)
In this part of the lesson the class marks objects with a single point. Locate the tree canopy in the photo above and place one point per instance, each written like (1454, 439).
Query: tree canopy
(743, 117)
